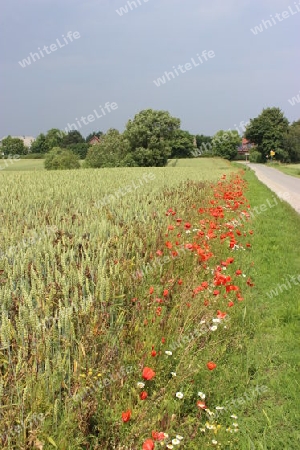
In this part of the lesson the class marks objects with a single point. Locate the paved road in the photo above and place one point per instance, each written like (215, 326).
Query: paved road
(285, 186)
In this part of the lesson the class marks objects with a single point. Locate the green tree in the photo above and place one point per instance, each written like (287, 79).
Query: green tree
(45, 142)
(13, 146)
(182, 144)
(54, 138)
(98, 134)
(225, 144)
(110, 152)
(291, 142)
(267, 131)
(150, 135)
(40, 145)
(59, 159)
(202, 141)
(73, 137)
(79, 149)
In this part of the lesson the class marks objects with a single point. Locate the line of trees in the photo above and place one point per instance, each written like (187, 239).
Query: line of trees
(271, 131)
(152, 137)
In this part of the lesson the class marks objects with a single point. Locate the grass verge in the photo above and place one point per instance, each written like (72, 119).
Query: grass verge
(288, 169)
(268, 353)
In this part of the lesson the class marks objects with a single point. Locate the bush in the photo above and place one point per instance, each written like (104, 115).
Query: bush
(60, 159)
(255, 157)
(109, 153)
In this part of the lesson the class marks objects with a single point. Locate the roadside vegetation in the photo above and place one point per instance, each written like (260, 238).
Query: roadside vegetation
(289, 169)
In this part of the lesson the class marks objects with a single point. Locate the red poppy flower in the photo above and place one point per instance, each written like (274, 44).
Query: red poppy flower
(249, 282)
(230, 304)
(180, 282)
(158, 436)
(153, 353)
(201, 404)
(187, 225)
(143, 395)
(148, 445)
(211, 365)
(148, 373)
(151, 290)
(216, 292)
(126, 415)
(238, 272)
(165, 293)
(159, 253)
(221, 315)
(170, 227)
(231, 287)
(169, 244)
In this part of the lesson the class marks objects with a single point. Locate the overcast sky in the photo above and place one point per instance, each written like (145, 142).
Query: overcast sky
(116, 58)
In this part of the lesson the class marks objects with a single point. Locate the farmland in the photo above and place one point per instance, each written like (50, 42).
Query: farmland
(133, 304)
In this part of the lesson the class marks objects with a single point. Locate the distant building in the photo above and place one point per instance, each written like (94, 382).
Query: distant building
(245, 147)
(27, 140)
(95, 140)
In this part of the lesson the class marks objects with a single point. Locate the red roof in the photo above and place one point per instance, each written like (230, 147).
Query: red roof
(245, 141)
(94, 140)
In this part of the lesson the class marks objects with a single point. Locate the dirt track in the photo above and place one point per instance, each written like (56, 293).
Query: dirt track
(285, 186)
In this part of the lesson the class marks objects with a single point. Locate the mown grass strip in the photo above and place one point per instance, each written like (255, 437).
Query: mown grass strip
(266, 349)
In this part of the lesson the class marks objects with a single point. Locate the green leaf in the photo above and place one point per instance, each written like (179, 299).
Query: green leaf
(52, 441)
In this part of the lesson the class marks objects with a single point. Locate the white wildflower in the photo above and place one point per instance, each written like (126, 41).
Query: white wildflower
(201, 395)
(179, 395)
